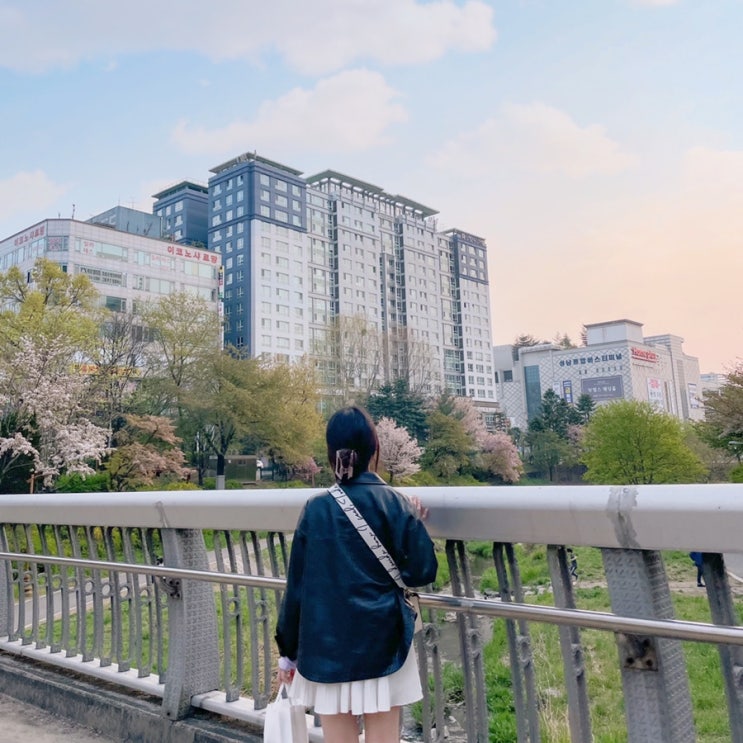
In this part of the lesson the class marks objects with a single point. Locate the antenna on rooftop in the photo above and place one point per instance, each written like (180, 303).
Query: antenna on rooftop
(73, 212)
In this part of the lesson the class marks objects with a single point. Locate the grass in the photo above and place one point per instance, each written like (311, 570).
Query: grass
(600, 656)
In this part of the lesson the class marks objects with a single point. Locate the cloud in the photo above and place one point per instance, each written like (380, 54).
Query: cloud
(348, 112)
(536, 138)
(313, 37)
(27, 193)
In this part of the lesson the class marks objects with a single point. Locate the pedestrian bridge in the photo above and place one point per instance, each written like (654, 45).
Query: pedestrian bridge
(167, 600)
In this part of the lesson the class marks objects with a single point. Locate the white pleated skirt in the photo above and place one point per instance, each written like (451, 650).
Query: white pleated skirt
(360, 697)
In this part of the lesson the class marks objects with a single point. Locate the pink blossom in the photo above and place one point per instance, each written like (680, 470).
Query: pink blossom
(398, 451)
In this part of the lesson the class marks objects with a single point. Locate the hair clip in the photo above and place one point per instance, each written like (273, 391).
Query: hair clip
(344, 462)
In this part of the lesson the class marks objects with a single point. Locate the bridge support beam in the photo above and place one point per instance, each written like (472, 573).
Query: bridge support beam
(193, 652)
(723, 611)
(656, 688)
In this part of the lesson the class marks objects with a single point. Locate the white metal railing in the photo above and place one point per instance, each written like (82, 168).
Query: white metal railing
(105, 566)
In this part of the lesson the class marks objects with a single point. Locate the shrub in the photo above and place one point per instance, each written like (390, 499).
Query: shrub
(180, 485)
(210, 483)
(76, 483)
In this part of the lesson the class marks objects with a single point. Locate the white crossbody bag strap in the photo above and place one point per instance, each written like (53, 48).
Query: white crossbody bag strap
(366, 533)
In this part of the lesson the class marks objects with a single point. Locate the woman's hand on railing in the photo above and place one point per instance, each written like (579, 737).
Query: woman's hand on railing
(420, 510)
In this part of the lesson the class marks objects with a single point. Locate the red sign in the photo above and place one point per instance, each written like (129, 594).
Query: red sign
(31, 234)
(642, 355)
(194, 255)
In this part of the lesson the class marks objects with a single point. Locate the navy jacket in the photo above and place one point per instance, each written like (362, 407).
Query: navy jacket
(343, 618)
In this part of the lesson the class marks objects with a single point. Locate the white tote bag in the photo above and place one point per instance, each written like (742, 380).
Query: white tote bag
(285, 722)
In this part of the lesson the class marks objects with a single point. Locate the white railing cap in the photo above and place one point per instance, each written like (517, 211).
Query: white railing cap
(683, 517)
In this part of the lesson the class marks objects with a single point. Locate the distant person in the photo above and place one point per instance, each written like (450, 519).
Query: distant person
(572, 563)
(345, 632)
(696, 558)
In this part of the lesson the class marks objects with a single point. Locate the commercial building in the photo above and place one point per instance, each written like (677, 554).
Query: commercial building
(713, 382)
(358, 279)
(617, 362)
(127, 268)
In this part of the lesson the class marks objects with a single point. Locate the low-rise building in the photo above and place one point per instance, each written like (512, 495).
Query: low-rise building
(126, 267)
(617, 362)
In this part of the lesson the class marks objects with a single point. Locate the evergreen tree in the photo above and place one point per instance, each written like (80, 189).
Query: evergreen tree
(406, 408)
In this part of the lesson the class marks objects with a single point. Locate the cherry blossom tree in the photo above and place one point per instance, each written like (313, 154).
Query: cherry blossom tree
(48, 325)
(47, 398)
(501, 457)
(397, 450)
(464, 409)
(147, 449)
(306, 470)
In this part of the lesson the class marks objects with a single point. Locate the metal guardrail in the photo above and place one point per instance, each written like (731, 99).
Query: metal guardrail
(135, 602)
(679, 630)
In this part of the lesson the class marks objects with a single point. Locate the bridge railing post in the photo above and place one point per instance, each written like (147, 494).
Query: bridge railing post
(722, 608)
(193, 652)
(656, 689)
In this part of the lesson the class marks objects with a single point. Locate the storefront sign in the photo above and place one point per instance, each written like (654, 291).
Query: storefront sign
(694, 401)
(195, 255)
(602, 388)
(29, 235)
(567, 391)
(655, 394)
(597, 359)
(640, 354)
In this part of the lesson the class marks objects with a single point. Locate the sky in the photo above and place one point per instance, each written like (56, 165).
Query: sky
(596, 145)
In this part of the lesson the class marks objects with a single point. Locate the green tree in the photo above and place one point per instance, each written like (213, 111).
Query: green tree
(254, 404)
(555, 415)
(18, 444)
(526, 340)
(547, 451)
(584, 409)
(562, 340)
(185, 332)
(449, 448)
(718, 461)
(116, 365)
(630, 443)
(724, 415)
(406, 408)
(53, 307)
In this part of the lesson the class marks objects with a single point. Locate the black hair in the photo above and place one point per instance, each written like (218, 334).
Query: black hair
(352, 442)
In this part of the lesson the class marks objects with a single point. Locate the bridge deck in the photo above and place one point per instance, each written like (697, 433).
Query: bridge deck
(26, 722)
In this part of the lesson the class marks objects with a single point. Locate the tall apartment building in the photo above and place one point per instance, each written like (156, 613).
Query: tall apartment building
(184, 211)
(358, 279)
